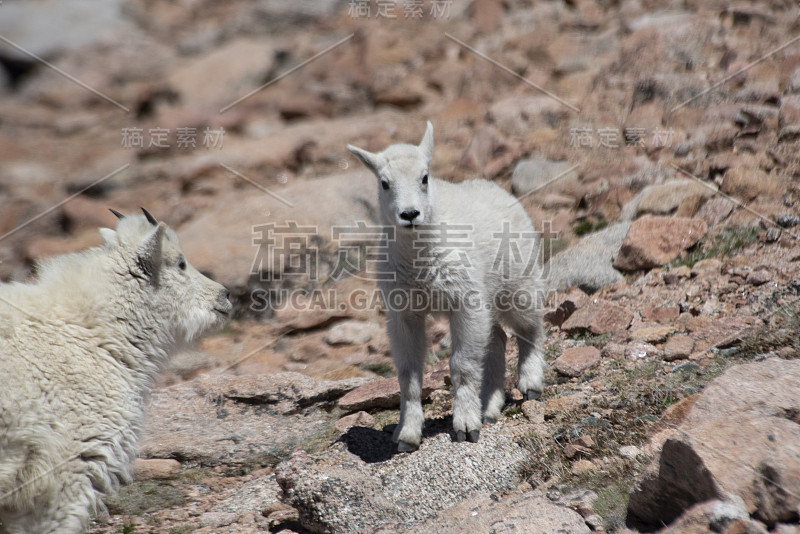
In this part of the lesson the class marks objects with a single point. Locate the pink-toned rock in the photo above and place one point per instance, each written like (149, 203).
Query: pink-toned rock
(745, 183)
(707, 267)
(652, 334)
(601, 317)
(737, 441)
(653, 241)
(155, 468)
(354, 419)
(639, 350)
(678, 348)
(661, 314)
(715, 210)
(306, 315)
(574, 361)
(383, 393)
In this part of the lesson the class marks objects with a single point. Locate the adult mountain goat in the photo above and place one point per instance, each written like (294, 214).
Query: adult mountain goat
(78, 351)
(468, 250)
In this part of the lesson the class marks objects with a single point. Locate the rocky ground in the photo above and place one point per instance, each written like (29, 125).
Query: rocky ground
(654, 145)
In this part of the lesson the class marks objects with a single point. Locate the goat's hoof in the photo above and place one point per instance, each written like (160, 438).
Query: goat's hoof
(474, 435)
(489, 420)
(531, 394)
(404, 446)
(461, 436)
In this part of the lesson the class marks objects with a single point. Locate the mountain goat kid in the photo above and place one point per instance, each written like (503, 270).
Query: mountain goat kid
(468, 250)
(78, 351)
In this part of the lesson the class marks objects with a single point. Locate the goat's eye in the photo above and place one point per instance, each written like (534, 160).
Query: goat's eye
(425, 179)
(182, 264)
(384, 184)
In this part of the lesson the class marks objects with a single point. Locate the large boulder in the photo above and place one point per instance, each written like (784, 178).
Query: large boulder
(663, 199)
(738, 441)
(357, 485)
(239, 420)
(653, 241)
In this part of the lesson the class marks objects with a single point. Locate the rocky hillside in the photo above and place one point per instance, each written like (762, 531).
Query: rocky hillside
(654, 144)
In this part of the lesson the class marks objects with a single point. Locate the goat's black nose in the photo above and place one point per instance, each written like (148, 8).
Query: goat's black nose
(409, 215)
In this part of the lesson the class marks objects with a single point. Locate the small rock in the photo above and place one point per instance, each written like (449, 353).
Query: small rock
(572, 450)
(383, 393)
(759, 277)
(746, 183)
(715, 210)
(574, 361)
(583, 467)
(615, 351)
(218, 519)
(350, 333)
(652, 334)
(661, 313)
(630, 452)
(653, 241)
(707, 267)
(534, 411)
(564, 403)
(678, 348)
(600, 317)
(155, 468)
(354, 419)
(639, 350)
(686, 366)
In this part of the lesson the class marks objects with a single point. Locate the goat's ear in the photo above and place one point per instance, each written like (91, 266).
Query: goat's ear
(110, 237)
(148, 257)
(426, 145)
(370, 160)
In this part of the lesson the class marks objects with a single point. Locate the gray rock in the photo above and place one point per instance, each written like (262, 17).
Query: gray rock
(587, 264)
(350, 333)
(258, 495)
(662, 199)
(358, 485)
(535, 173)
(485, 512)
(234, 421)
(46, 27)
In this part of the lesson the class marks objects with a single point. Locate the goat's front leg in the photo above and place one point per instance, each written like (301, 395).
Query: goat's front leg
(407, 338)
(471, 330)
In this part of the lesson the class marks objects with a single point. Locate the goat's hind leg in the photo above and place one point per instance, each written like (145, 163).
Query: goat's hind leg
(530, 338)
(493, 394)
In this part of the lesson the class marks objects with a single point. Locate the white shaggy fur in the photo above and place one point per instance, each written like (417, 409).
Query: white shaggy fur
(486, 254)
(78, 351)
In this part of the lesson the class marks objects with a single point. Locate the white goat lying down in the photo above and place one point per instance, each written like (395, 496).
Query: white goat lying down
(468, 250)
(78, 351)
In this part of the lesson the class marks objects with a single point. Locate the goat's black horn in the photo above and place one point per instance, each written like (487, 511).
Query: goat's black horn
(118, 214)
(152, 220)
